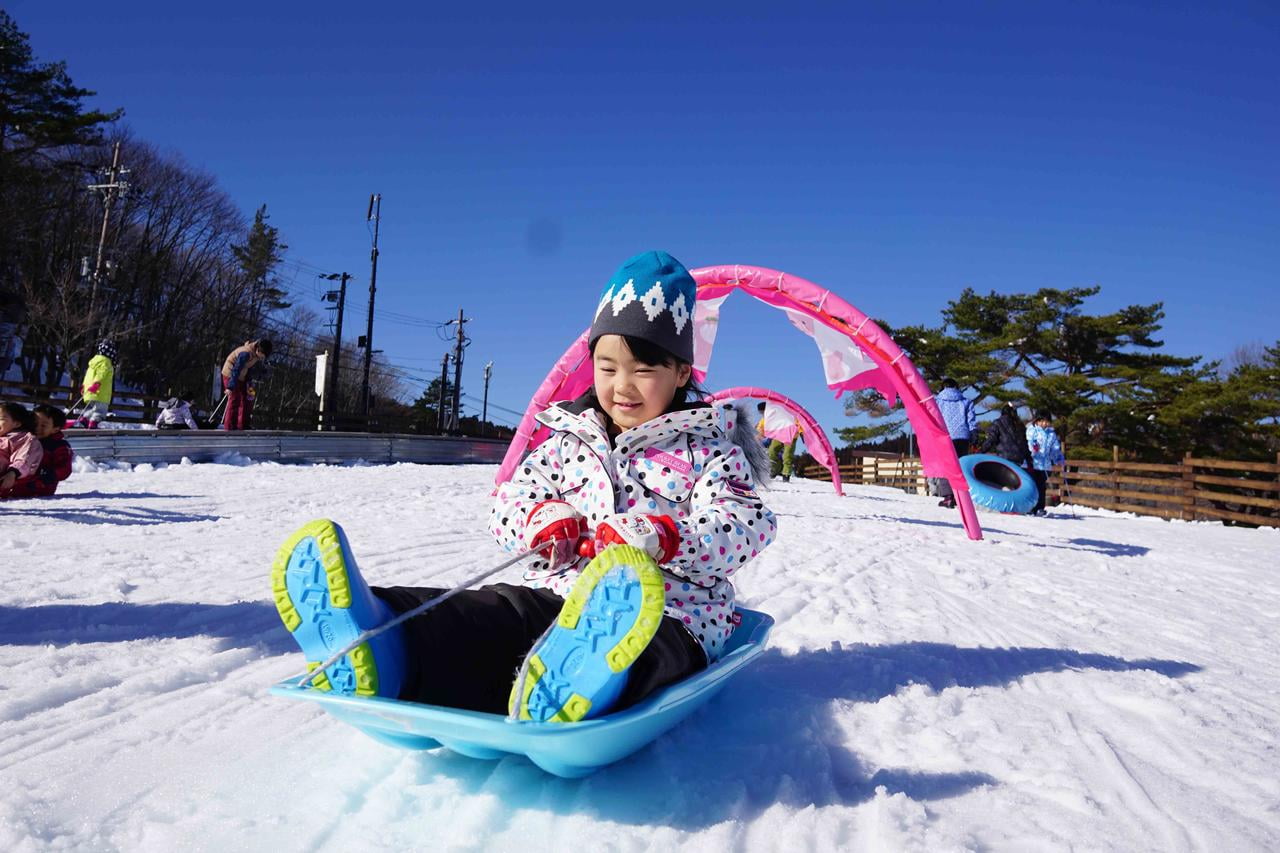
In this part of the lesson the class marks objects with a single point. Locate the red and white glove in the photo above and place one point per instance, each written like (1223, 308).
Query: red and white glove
(554, 528)
(656, 534)
(93, 389)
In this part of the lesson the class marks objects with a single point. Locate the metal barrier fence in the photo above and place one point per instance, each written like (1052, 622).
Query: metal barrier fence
(135, 446)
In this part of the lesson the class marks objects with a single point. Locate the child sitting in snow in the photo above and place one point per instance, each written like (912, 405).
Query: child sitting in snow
(175, 413)
(659, 486)
(55, 461)
(20, 451)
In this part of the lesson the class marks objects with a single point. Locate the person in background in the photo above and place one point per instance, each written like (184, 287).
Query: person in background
(962, 421)
(175, 413)
(765, 441)
(1046, 452)
(781, 430)
(12, 314)
(97, 386)
(1007, 437)
(239, 371)
(55, 463)
(20, 451)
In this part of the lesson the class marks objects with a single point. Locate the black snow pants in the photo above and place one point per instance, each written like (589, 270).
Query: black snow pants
(1041, 479)
(466, 651)
(944, 485)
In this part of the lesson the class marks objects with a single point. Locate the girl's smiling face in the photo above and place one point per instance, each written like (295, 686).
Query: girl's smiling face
(7, 424)
(630, 391)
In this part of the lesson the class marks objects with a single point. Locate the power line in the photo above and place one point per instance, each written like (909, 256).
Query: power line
(494, 405)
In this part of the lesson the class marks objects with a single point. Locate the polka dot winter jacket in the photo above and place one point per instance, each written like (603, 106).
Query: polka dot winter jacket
(686, 464)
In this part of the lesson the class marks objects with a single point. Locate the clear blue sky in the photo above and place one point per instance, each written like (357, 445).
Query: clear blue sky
(893, 152)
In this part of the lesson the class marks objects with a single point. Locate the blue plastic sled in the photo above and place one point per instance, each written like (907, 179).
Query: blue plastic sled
(565, 749)
(996, 483)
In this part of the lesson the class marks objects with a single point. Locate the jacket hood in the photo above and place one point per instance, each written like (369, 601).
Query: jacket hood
(950, 394)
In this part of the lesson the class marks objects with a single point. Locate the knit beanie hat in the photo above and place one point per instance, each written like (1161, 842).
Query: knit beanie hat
(108, 349)
(650, 297)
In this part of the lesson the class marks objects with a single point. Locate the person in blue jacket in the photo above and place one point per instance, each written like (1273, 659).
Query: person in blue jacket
(962, 422)
(1046, 452)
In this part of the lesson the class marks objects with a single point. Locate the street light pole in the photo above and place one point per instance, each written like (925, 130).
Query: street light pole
(332, 396)
(484, 410)
(444, 388)
(375, 216)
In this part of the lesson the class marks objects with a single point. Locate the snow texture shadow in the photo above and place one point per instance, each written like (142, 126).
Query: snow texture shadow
(245, 623)
(773, 737)
(1110, 549)
(124, 516)
(1096, 546)
(114, 495)
(870, 673)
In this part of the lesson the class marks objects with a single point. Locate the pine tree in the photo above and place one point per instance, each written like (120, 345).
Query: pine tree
(1103, 377)
(40, 108)
(41, 112)
(426, 409)
(259, 257)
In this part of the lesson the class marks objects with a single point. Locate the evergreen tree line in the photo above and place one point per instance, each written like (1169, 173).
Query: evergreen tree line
(425, 414)
(1104, 378)
(185, 278)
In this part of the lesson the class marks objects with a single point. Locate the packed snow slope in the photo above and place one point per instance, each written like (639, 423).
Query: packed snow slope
(1089, 681)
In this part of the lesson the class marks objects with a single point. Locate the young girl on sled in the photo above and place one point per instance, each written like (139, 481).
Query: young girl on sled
(658, 486)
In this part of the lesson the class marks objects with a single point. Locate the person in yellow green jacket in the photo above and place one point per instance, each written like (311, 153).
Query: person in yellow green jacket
(97, 386)
(781, 430)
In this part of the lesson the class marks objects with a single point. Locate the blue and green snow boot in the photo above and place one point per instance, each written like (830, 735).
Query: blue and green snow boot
(578, 668)
(325, 604)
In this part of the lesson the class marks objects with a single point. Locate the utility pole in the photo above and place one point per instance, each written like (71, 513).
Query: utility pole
(454, 421)
(110, 190)
(484, 411)
(374, 215)
(444, 385)
(335, 378)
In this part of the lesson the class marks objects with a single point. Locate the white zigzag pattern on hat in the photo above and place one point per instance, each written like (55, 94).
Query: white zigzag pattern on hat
(626, 295)
(679, 313)
(605, 300)
(654, 302)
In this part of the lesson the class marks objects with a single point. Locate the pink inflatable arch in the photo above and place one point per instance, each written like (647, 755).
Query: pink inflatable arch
(814, 438)
(855, 352)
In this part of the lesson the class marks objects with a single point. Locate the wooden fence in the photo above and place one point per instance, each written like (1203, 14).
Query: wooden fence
(876, 469)
(1218, 489)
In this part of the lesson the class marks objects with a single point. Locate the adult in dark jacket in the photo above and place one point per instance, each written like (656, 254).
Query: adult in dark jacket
(1007, 437)
(962, 421)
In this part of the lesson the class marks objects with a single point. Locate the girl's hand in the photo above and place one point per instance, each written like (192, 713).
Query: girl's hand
(656, 534)
(553, 528)
(6, 482)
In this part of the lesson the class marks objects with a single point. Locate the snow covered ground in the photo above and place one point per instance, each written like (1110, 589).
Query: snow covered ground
(1075, 682)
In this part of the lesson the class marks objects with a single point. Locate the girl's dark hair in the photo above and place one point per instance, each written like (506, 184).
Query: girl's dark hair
(19, 413)
(655, 356)
(1042, 415)
(1010, 413)
(53, 413)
